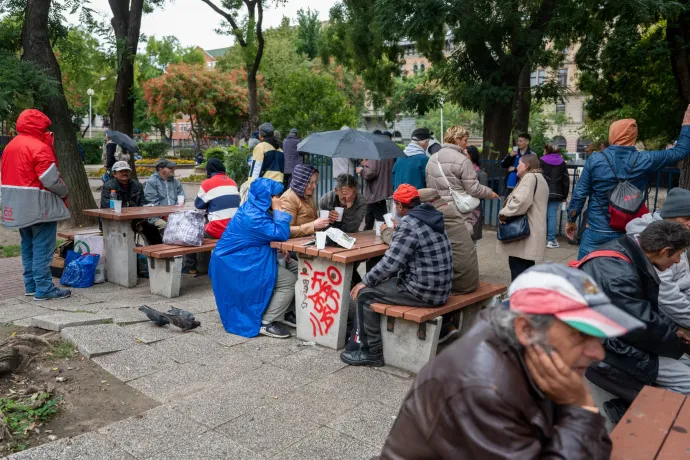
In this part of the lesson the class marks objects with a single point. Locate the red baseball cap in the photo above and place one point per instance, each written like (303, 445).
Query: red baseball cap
(405, 194)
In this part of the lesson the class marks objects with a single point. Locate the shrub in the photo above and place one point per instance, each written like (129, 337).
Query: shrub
(236, 164)
(185, 154)
(142, 171)
(153, 149)
(194, 178)
(215, 152)
(93, 151)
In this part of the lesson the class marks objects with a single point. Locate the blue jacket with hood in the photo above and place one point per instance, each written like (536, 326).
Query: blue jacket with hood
(597, 178)
(243, 266)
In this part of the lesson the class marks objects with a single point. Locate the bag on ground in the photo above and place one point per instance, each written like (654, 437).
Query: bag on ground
(92, 244)
(185, 228)
(80, 270)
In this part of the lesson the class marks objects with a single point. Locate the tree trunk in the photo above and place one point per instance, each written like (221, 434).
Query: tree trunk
(497, 123)
(37, 49)
(523, 100)
(678, 39)
(253, 103)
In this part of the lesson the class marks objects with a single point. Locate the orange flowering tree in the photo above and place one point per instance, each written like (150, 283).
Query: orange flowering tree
(206, 97)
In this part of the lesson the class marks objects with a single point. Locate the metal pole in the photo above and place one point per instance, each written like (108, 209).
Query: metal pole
(90, 117)
(442, 120)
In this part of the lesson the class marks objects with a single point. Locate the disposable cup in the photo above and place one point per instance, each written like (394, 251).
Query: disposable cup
(180, 200)
(324, 214)
(320, 240)
(117, 206)
(389, 220)
(340, 212)
(377, 225)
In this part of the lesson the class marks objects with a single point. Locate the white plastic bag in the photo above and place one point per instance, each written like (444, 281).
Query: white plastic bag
(93, 244)
(185, 228)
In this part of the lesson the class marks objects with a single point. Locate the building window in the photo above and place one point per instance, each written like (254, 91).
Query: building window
(422, 68)
(563, 77)
(541, 77)
(415, 69)
(560, 107)
(561, 143)
(584, 112)
(533, 79)
(582, 145)
(566, 50)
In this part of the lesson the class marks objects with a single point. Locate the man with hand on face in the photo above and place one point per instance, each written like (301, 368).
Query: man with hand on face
(346, 195)
(519, 390)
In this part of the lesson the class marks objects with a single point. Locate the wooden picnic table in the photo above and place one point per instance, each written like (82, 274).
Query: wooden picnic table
(655, 427)
(322, 291)
(118, 239)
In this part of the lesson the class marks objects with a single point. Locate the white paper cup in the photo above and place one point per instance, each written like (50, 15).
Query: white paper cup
(324, 214)
(180, 200)
(320, 240)
(389, 220)
(340, 212)
(377, 226)
(117, 206)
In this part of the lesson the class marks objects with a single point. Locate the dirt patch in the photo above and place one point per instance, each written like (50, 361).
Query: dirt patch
(89, 397)
(9, 237)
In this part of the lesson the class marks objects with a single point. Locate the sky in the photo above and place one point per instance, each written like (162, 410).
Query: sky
(193, 22)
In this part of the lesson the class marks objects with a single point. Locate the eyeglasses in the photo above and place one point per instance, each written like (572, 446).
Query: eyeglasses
(312, 183)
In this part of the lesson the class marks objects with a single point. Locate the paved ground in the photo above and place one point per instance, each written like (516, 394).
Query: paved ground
(222, 396)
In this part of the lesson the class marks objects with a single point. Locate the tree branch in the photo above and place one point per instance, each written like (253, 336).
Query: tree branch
(228, 17)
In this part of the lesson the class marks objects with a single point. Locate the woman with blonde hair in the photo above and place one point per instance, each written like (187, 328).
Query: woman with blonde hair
(529, 197)
(450, 170)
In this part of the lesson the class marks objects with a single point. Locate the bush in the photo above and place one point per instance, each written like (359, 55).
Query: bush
(93, 151)
(185, 154)
(215, 152)
(153, 149)
(194, 178)
(142, 171)
(236, 164)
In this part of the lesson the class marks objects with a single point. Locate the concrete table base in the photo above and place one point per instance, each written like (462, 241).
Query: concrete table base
(121, 261)
(165, 276)
(322, 301)
(408, 345)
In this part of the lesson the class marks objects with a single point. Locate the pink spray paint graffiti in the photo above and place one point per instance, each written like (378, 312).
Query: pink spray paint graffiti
(320, 291)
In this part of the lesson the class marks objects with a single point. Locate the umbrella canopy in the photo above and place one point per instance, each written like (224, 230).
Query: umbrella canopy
(350, 143)
(122, 140)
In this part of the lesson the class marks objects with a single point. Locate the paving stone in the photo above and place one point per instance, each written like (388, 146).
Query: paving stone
(20, 310)
(191, 348)
(70, 303)
(58, 321)
(125, 316)
(355, 381)
(25, 322)
(268, 349)
(311, 362)
(129, 298)
(176, 382)
(316, 402)
(89, 446)
(99, 339)
(157, 429)
(327, 444)
(135, 362)
(214, 408)
(268, 381)
(208, 446)
(267, 432)
(195, 303)
(369, 422)
(149, 333)
(216, 332)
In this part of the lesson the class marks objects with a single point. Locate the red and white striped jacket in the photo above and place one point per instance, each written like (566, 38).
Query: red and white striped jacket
(32, 190)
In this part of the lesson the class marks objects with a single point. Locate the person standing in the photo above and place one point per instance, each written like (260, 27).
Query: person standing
(511, 161)
(292, 156)
(412, 168)
(34, 200)
(342, 165)
(267, 158)
(530, 197)
(477, 217)
(556, 174)
(378, 186)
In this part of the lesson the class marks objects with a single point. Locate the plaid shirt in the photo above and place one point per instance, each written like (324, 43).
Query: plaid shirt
(421, 258)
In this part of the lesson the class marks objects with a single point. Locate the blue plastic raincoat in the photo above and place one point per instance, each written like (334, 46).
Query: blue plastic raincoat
(243, 267)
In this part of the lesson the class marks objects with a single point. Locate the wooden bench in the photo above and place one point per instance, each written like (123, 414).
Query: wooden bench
(410, 335)
(165, 275)
(655, 426)
(70, 234)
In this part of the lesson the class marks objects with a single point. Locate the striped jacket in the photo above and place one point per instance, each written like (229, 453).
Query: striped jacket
(267, 161)
(218, 195)
(32, 190)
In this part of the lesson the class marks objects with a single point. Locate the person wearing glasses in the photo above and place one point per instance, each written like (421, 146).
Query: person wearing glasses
(300, 202)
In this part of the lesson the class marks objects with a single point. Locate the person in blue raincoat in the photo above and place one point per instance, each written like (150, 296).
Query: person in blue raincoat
(252, 292)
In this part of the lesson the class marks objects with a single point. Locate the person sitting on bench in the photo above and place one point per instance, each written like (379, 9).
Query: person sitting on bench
(416, 271)
(513, 386)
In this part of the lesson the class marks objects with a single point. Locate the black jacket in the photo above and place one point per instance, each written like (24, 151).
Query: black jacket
(634, 288)
(558, 179)
(132, 197)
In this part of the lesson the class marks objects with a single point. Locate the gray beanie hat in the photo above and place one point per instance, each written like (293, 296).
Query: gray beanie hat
(677, 204)
(266, 129)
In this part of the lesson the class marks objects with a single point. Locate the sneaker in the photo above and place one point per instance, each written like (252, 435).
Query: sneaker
(29, 294)
(553, 245)
(57, 293)
(189, 271)
(290, 319)
(448, 332)
(275, 330)
(361, 358)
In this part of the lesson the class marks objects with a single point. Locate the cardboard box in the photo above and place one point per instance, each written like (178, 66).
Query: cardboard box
(57, 266)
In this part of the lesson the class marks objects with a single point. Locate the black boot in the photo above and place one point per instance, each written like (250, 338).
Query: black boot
(362, 358)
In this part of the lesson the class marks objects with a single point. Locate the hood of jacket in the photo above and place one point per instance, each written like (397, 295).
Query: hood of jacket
(637, 226)
(413, 149)
(429, 215)
(214, 166)
(260, 192)
(553, 159)
(33, 122)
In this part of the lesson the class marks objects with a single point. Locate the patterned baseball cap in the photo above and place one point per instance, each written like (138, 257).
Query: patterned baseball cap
(571, 296)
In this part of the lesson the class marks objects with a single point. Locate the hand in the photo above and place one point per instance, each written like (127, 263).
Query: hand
(355, 290)
(571, 230)
(359, 170)
(333, 216)
(683, 334)
(276, 204)
(321, 223)
(383, 228)
(513, 153)
(558, 382)
(284, 254)
(495, 196)
(395, 223)
(512, 168)
(502, 219)
(686, 118)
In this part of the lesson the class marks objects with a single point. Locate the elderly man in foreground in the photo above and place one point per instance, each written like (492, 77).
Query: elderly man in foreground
(518, 389)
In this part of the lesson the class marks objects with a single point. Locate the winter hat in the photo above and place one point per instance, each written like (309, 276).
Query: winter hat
(405, 194)
(421, 134)
(677, 204)
(214, 166)
(623, 132)
(294, 132)
(266, 129)
(301, 176)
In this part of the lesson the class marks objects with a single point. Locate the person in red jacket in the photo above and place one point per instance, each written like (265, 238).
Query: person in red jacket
(34, 200)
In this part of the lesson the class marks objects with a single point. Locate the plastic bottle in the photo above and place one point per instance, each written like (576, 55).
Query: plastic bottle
(113, 197)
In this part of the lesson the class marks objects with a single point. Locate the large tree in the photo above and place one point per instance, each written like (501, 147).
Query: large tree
(37, 49)
(249, 35)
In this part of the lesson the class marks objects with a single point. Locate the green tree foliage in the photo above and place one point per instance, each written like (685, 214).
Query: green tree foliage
(308, 33)
(453, 114)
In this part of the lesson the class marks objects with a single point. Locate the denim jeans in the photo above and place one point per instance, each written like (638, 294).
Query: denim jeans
(552, 220)
(38, 247)
(591, 240)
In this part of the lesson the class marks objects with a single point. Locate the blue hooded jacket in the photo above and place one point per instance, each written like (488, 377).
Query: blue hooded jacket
(597, 179)
(243, 267)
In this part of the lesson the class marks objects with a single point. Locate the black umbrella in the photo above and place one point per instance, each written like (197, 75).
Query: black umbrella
(122, 140)
(350, 143)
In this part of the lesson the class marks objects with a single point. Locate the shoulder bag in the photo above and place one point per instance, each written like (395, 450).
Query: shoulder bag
(464, 202)
(517, 228)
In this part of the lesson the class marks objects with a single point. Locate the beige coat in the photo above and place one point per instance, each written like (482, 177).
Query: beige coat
(460, 174)
(525, 200)
(303, 211)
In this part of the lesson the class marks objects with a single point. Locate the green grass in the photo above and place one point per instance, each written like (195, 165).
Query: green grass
(22, 415)
(61, 350)
(10, 251)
